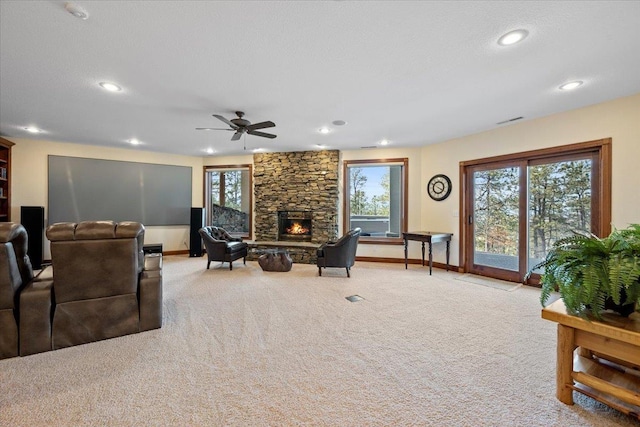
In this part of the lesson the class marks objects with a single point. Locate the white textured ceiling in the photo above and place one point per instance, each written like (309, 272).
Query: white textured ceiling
(412, 72)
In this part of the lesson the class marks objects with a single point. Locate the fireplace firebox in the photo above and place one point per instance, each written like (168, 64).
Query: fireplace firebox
(294, 225)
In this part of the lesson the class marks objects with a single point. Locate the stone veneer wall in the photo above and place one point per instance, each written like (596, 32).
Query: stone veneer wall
(296, 181)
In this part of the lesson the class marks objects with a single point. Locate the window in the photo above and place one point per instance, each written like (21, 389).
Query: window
(375, 199)
(516, 206)
(228, 198)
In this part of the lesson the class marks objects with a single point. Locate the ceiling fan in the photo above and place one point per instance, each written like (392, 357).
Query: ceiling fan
(242, 126)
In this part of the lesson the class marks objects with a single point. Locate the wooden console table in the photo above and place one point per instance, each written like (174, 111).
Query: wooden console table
(607, 365)
(429, 237)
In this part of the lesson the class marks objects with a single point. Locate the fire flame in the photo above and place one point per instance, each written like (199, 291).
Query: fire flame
(297, 228)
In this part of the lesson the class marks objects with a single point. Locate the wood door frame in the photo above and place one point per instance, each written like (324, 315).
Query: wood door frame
(601, 174)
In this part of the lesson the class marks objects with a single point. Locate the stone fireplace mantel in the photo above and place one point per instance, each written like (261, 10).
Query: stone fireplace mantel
(296, 181)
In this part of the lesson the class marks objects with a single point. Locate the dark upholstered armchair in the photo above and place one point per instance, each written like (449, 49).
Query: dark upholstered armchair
(222, 247)
(104, 285)
(339, 254)
(16, 275)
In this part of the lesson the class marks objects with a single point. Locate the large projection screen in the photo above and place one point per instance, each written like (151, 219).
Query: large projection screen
(91, 189)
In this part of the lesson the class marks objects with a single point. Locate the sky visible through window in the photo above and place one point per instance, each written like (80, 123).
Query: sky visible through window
(374, 177)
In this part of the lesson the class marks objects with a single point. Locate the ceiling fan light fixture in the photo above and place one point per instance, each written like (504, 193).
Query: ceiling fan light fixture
(111, 87)
(513, 37)
(571, 85)
(240, 127)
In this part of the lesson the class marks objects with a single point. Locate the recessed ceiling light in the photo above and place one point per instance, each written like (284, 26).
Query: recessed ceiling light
(209, 150)
(339, 122)
(384, 142)
(321, 146)
(513, 37)
(324, 130)
(76, 10)
(134, 141)
(32, 129)
(571, 85)
(111, 87)
(256, 150)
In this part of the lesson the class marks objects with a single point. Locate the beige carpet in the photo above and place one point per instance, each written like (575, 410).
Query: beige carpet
(253, 348)
(487, 281)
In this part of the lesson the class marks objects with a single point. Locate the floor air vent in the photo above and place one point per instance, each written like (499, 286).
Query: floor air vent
(355, 298)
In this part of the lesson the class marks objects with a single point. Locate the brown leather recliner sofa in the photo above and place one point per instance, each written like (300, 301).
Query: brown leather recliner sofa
(16, 275)
(104, 286)
(101, 286)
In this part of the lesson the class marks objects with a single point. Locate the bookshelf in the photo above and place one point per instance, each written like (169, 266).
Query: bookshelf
(5, 180)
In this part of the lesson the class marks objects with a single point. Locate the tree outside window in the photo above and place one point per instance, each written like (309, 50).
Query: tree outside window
(376, 194)
(228, 198)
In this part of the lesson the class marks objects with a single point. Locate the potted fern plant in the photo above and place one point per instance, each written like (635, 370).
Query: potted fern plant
(594, 274)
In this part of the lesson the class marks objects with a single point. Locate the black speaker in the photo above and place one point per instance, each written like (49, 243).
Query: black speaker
(195, 241)
(32, 218)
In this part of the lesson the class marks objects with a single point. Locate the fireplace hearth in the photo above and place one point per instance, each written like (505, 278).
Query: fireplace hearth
(295, 226)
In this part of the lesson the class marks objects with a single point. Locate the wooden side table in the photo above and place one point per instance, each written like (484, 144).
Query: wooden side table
(429, 237)
(607, 365)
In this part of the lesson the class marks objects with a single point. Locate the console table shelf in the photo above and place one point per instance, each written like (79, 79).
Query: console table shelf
(606, 364)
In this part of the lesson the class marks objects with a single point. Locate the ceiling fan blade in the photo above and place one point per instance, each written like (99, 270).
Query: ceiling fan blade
(236, 136)
(213, 129)
(261, 125)
(263, 134)
(225, 120)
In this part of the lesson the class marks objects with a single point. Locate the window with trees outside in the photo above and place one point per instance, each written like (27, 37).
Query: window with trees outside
(228, 198)
(516, 206)
(375, 199)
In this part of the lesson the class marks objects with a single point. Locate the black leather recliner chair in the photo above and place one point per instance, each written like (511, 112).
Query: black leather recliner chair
(339, 254)
(221, 246)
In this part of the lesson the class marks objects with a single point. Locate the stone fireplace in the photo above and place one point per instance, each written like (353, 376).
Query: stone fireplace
(302, 184)
(295, 226)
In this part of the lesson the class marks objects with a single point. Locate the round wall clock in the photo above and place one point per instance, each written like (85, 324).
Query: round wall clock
(439, 187)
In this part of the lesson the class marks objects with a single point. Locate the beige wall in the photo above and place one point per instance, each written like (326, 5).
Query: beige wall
(29, 180)
(618, 119)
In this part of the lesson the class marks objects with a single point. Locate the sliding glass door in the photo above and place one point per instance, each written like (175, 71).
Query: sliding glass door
(559, 202)
(515, 208)
(495, 220)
